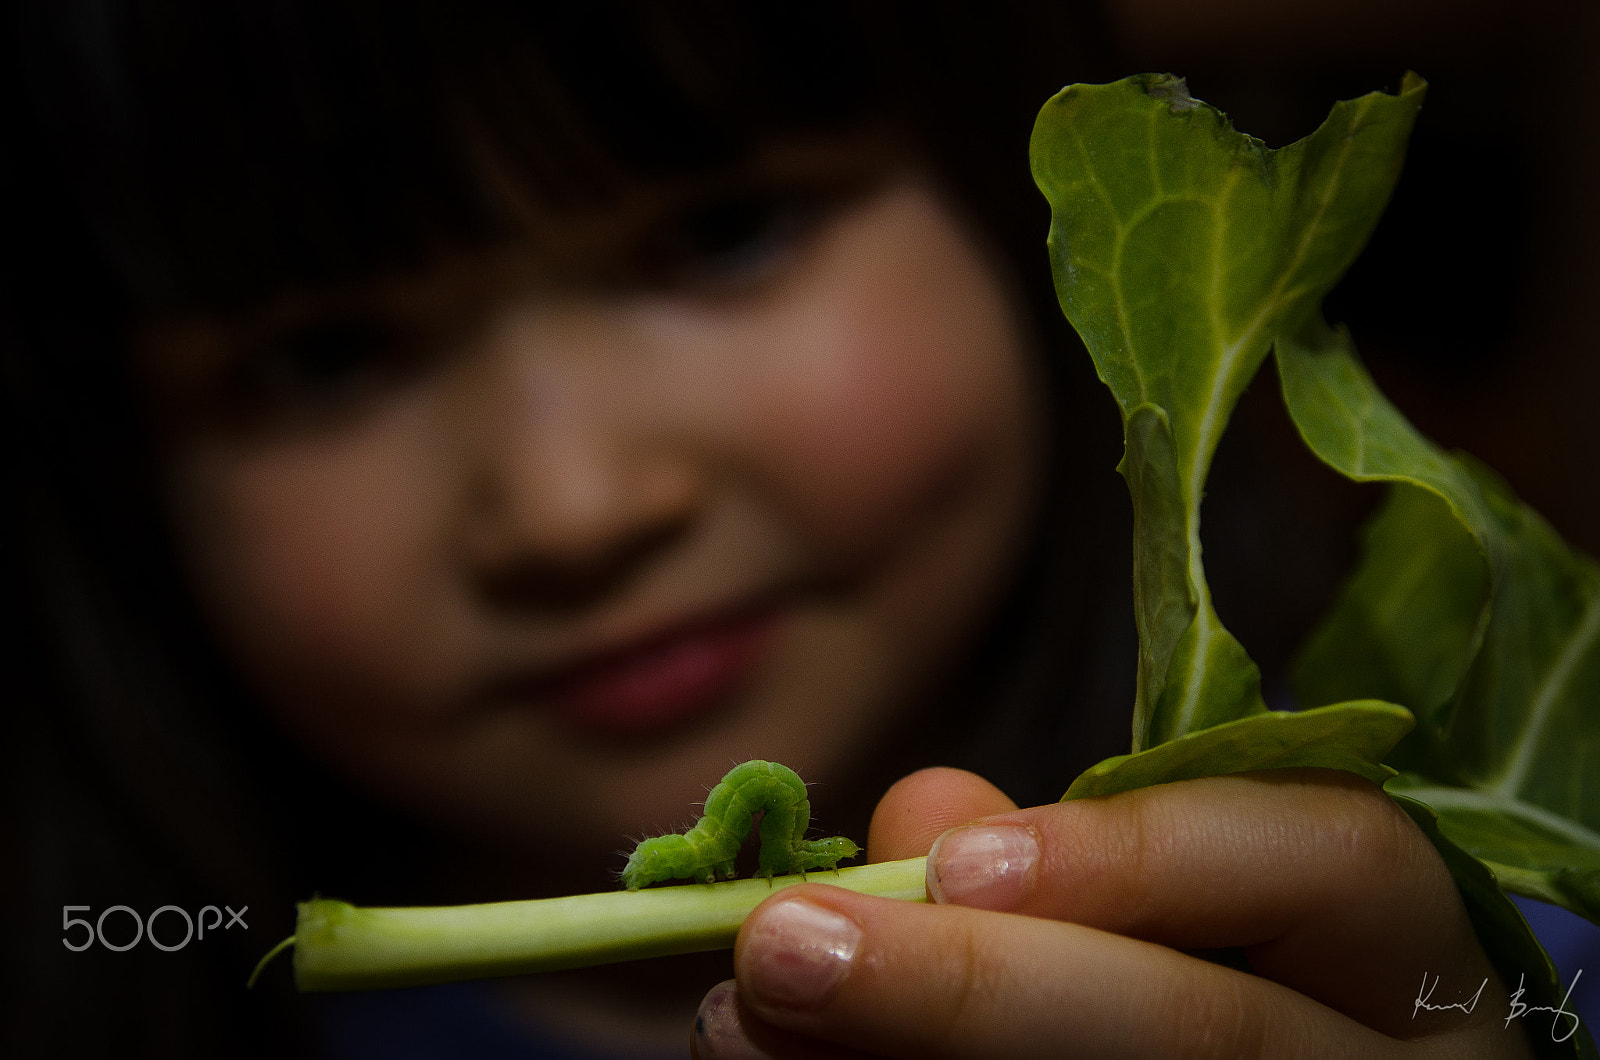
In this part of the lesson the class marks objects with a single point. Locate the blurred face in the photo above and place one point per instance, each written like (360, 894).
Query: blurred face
(536, 545)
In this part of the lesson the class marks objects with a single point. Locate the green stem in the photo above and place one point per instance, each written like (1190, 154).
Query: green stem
(338, 946)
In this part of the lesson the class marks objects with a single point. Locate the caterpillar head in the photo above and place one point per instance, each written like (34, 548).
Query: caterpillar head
(825, 853)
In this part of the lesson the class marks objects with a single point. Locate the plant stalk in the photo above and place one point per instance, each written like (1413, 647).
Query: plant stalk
(338, 946)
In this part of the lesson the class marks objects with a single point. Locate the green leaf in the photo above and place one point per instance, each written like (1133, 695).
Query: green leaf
(1183, 252)
(1533, 852)
(1408, 619)
(1469, 607)
(1348, 736)
(1181, 249)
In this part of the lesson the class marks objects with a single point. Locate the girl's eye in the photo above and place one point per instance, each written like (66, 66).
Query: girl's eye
(729, 242)
(321, 367)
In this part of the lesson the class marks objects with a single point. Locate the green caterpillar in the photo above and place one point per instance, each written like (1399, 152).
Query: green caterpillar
(706, 851)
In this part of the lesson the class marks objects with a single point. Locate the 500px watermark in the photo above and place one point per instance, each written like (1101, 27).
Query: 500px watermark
(144, 928)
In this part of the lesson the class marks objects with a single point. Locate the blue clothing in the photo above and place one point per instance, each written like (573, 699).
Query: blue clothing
(451, 1021)
(1574, 945)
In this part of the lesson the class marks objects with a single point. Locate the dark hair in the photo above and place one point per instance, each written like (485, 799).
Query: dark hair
(171, 154)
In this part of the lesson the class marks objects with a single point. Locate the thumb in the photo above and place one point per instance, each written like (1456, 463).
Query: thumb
(916, 810)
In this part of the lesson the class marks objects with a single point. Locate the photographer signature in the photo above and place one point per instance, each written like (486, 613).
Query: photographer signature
(1517, 1009)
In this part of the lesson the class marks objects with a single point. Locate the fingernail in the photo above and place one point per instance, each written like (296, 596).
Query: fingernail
(986, 866)
(797, 954)
(719, 1032)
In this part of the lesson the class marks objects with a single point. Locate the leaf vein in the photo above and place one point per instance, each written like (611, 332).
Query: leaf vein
(1446, 798)
(1213, 418)
(1551, 687)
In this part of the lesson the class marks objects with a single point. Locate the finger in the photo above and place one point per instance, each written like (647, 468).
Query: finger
(921, 806)
(1327, 886)
(726, 1030)
(908, 980)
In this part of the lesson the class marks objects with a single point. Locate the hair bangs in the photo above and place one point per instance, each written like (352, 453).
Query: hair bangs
(220, 152)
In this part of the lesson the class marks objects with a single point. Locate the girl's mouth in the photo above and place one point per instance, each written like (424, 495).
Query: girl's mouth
(663, 681)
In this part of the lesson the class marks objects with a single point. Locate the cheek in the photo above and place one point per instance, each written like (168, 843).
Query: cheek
(308, 553)
(871, 416)
(900, 381)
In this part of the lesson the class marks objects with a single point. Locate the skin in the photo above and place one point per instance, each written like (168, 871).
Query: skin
(1078, 952)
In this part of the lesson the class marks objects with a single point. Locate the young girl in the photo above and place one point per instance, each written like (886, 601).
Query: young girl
(453, 435)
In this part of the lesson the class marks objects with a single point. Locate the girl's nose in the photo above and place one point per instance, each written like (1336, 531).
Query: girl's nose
(578, 473)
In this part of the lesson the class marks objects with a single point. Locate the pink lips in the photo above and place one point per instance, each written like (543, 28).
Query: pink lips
(664, 681)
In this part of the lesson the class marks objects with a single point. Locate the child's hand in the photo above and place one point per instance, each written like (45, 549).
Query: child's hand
(1341, 906)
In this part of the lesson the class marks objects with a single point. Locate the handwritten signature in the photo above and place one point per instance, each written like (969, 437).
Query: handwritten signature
(1517, 1009)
